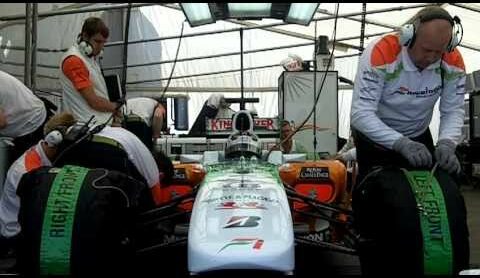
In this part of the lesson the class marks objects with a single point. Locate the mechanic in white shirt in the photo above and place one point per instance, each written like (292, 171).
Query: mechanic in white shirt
(44, 153)
(141, 158)
(399, 79)
(84, 89)
(41, 154)
(151, 111)
(22, 114)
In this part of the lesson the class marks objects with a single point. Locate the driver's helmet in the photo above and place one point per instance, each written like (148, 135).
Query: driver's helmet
(242, 142)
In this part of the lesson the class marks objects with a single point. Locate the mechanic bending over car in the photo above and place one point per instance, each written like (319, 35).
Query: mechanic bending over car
(42, 154)
(45, 153)
(22, 114)
(399, 79)
(144, 117)
(214, 107)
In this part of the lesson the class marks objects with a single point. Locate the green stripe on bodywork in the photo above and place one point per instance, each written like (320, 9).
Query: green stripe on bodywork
(220, 170)
(57, 228)
(437, 243)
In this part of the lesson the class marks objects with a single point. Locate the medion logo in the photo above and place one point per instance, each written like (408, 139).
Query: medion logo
(422, 93)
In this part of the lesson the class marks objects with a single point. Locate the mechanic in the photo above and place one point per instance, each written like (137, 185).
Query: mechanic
(399, 79)
(290, 145)
(214, 107)
(150, 113)
(348, 152)
(22, 114)
(42, 154)
(84, 89)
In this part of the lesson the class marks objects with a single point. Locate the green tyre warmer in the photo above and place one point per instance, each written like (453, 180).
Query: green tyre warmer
(389, 222)
(77, 222)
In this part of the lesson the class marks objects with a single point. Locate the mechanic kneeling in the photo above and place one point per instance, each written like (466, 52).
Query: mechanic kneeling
(108, 173)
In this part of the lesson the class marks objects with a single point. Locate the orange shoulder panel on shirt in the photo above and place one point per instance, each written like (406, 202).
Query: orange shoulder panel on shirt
(32, 160)
(385, 51)
(75, 70)
(454, 59)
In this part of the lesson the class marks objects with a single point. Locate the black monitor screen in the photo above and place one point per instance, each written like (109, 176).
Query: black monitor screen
(113, 86)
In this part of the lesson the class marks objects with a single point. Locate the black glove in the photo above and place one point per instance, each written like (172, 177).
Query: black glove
(445, 156)
(416, 153)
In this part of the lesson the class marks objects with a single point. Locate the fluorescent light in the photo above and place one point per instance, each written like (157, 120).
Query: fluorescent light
(243, 10)
(301, 13)
(205, 13)
(197, 13)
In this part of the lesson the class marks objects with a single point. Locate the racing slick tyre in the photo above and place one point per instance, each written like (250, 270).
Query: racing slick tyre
(405, 235)
(77, 221)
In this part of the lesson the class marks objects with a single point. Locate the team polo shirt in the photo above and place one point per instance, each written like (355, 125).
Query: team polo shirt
(24, 111)
(141, 157)
(143, 107)
(77, 72)
(392, 98)
(32, 159)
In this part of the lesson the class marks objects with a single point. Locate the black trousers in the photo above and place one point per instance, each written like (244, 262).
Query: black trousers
(371, 155)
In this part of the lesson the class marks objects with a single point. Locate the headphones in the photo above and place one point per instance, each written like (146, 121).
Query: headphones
(408, 31)
(63, 133)
(84, 46)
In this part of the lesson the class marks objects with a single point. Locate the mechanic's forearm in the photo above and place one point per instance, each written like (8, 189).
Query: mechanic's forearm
(374, 128)
(157, 124)
(3, 119)
(96, 102)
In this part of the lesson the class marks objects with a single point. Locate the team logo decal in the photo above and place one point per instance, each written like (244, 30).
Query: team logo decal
(243, 222)
(256, 243)
(240, 205)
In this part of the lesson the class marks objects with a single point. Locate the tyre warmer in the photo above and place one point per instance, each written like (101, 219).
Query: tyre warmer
(437, 243)
(55, 245)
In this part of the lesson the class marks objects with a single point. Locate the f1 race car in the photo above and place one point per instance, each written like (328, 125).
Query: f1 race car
(237, 209)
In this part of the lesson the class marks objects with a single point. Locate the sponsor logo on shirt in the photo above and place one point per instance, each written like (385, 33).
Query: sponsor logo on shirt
(402, 90)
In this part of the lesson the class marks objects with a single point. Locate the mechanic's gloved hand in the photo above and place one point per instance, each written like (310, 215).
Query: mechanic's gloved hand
(445, 156)
(416, 153)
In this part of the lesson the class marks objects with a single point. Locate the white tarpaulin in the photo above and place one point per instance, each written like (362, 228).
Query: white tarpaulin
(198, 77)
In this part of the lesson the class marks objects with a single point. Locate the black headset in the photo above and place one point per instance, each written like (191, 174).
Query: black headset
(60, 134)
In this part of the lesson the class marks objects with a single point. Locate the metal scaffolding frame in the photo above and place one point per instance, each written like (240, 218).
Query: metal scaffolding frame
(32, 16)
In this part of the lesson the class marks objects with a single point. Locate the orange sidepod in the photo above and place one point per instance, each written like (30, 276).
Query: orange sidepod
(324, 180)
(187, 175)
